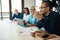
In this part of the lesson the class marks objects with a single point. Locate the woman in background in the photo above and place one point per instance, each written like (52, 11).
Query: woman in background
(26, 15)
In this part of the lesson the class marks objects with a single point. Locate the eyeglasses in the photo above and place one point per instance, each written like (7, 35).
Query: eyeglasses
(31, 9)
(42, 7)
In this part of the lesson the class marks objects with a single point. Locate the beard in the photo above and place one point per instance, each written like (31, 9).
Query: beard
(42, 12)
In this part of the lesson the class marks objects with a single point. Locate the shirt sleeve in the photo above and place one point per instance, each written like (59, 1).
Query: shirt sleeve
(39, 24)
(27, 18)
(23, 16)
(13, 16)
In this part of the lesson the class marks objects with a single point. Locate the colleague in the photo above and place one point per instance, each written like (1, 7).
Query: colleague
(50, 20)
(17, 15)
(26, 14)
(32, 18)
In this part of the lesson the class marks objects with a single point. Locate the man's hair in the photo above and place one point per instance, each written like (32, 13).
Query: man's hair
(16, 10)
(48, 3)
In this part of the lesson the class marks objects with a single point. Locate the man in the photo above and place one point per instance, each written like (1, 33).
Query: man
(50, 20)
(17, 15)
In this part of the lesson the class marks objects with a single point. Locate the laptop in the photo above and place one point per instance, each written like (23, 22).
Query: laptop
(20, 22)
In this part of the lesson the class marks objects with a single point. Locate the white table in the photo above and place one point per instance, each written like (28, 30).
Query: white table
(10, 31)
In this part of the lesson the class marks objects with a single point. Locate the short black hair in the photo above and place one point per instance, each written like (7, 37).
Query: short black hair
(27, 10)
(49, 4)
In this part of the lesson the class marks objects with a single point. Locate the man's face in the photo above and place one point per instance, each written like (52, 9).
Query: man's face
(43, 8)
(16, 12)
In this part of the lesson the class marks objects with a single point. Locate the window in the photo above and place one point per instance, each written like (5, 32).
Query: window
(16, 4)
(5, 8)
(0, 9)
(38, 4)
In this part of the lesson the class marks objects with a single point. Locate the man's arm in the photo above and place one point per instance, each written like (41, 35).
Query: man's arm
(39, 24)
(13, 17)
(21, 15)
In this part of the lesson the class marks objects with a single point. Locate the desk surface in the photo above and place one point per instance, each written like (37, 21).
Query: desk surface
(10, 31)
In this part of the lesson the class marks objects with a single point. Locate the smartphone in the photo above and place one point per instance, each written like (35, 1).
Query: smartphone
(45, 36)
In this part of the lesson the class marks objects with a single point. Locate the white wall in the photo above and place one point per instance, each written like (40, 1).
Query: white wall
(36, 3)
(0, 8)
(29, 3)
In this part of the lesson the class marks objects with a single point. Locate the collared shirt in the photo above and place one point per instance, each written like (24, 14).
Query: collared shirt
(32, 19)
(19, 16)
(26, 17)
(51, 23)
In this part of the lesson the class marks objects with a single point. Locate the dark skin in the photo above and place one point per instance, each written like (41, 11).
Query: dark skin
(45, 9)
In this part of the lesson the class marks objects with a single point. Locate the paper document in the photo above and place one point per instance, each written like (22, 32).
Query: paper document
(28, 30)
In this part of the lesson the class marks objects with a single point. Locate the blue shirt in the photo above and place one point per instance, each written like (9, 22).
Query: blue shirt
(32, 19)
(51, 23)
(19, 16)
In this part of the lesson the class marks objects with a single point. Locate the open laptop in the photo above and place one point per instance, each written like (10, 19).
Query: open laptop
(20, 22)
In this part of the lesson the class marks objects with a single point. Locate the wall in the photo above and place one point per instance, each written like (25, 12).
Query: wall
(29, 3)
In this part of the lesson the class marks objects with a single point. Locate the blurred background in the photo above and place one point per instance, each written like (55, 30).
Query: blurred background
(7, 7)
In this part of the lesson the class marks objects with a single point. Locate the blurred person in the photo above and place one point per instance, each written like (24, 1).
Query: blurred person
(17, 15)
(26, 15)
(50, 20)
(32, 17)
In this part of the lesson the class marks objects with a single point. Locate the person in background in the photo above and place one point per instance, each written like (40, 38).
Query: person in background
(39, 16)
(26, 15)
(17, 15)
(50, 20)
(32, 17)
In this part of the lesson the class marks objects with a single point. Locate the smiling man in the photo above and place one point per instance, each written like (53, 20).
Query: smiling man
(50, 20)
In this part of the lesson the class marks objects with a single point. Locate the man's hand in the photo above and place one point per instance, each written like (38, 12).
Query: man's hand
(15, 20)
(32, 25)
(39, 16)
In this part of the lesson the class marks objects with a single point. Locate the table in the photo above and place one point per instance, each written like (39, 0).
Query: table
(10, 31)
